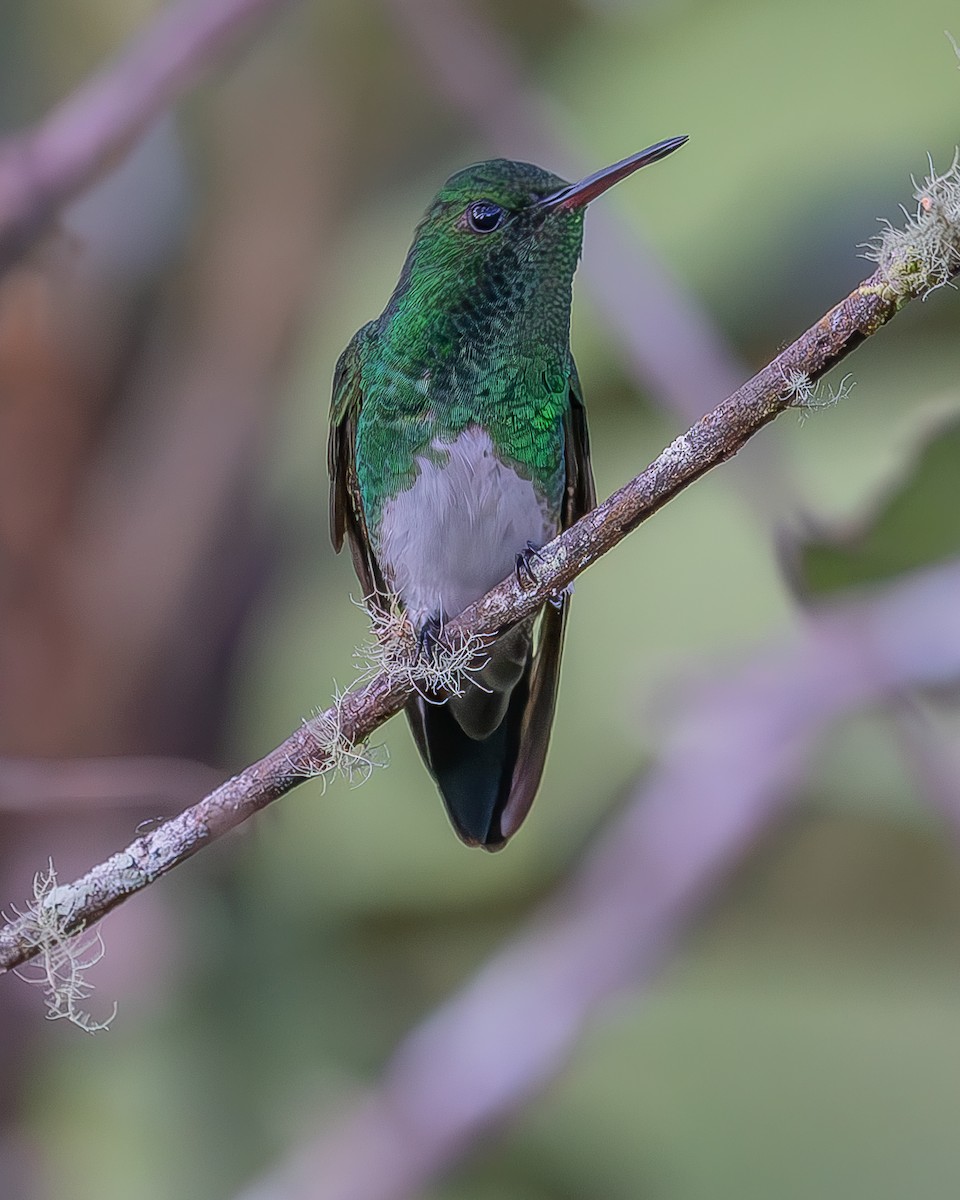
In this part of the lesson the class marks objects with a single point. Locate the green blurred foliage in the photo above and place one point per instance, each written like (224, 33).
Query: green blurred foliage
(804, 1043)
(915, 525)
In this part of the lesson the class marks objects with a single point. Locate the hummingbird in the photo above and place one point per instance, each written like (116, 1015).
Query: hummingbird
(458, 448)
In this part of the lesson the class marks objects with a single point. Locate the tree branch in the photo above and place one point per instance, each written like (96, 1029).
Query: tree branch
(316, 747)
(730, 769)
(42, 169)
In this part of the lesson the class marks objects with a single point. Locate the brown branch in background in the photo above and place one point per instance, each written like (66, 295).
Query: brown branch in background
(210, 393)
(39, 787)
(44, 168)
(316, 747)
(129, 591)
(729, 771)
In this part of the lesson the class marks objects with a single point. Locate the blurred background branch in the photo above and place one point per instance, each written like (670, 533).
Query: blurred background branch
(168, 600)
(326, 741)
(144, 336)
(34, 787)
(731, 766)
(71, 148)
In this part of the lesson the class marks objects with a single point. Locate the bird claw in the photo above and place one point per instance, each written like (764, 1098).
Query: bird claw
(428, 639)
(525, 571)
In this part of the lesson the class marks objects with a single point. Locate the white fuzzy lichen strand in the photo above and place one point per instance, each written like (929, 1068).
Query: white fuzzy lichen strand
(925, 253)
(799, 386)
(329, 745)
(63, 958)
(808, 396)
(393, 651)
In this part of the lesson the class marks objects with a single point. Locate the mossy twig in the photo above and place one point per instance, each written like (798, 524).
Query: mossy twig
(910, 264)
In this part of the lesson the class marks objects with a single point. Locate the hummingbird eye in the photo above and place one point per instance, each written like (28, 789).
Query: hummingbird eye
(483, 216)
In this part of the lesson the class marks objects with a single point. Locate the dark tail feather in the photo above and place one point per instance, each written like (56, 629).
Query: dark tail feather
(488, 784)
(473, 775)
(537, 719)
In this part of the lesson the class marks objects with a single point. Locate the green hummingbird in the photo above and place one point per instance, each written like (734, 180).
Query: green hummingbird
(458, 447)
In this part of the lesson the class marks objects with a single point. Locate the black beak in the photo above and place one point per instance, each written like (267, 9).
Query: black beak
(576, 195)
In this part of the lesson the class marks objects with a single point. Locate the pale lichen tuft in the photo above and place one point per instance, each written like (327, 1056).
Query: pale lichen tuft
(62, 958)
(808, 396)
(799, 386)
(393, 650)
(925, 253)
(334, 754)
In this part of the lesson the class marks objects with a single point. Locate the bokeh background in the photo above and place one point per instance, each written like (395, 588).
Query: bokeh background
(167, 589)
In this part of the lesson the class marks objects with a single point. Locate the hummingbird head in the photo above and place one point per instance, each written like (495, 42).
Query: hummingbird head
(502, 238)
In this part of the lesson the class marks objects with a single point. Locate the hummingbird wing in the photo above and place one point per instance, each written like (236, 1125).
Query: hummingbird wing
(579, 498)
(581, 493)
(488, 784)
(346, 508)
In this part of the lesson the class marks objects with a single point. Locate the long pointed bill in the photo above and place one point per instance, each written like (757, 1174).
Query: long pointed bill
(576, 195)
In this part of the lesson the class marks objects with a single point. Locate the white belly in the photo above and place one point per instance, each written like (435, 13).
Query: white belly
(457, 531)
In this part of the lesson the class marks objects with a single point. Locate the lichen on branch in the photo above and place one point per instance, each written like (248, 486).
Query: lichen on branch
(392, 650)
(923, 254)
(912, 261)
(61, 959)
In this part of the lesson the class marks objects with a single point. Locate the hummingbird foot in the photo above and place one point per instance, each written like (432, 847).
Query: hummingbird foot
(525, 559)
(428, 639)
(558, 599)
